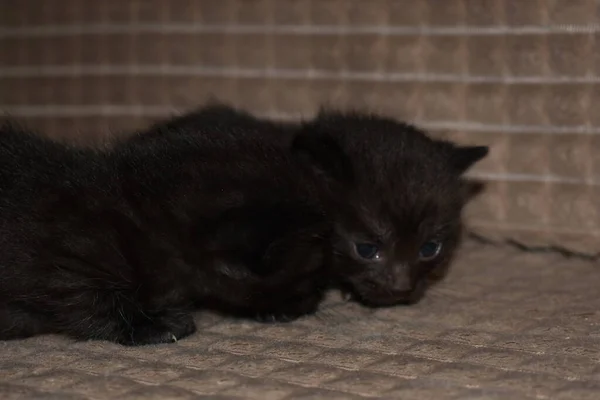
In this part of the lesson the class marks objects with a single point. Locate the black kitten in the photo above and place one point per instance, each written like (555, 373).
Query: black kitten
(396, 198)
(396, 195)
(121, 244)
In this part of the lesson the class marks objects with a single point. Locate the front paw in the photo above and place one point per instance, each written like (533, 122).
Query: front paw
(181, 324)
(288, 314)
(290, 309)
(148, 334)
(166, 328)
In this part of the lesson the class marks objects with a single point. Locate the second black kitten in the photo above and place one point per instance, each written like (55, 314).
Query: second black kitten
(123, 244)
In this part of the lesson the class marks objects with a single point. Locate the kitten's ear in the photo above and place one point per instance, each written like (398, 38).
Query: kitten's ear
(462, 158)
(323, 154)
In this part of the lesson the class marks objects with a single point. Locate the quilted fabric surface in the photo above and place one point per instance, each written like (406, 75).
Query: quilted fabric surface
(506, 324)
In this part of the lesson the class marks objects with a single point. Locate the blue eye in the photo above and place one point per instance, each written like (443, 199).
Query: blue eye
(367, 250)
(429, 250)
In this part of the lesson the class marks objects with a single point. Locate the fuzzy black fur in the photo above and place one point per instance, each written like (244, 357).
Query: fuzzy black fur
(386, 183)
(122, 244)
(221, 209)
(220, 119)
(395, 188)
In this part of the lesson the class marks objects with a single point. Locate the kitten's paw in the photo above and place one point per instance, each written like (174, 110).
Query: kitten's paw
(290, 311)
(147, 335)
(167, 328)
(180, 324)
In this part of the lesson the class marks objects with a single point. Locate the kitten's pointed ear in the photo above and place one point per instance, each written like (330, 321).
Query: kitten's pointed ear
(463, 158)
(323, 154)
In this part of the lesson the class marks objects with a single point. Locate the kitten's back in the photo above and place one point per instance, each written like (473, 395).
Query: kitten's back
(216, 120)
(30, 163)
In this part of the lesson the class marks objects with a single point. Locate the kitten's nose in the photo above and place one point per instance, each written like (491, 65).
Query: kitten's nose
(401, 281)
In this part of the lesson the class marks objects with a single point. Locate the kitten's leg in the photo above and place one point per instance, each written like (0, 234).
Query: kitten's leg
(164, 327)
(303, 296)
(291, 309)
(119, 318)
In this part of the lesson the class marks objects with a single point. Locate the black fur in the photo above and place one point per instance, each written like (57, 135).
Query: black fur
(394, 188)
(221, 209)
(219, 119)
(122, 244)
(386, 183)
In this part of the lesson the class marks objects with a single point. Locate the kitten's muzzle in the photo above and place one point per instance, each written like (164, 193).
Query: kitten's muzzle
(388, 298)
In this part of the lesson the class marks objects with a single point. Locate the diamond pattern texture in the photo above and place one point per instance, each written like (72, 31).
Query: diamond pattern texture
(506, 324)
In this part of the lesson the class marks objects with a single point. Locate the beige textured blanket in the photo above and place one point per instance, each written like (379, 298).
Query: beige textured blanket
(505, 325)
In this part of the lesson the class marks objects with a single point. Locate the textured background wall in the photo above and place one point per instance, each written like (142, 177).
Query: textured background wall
(521, 76)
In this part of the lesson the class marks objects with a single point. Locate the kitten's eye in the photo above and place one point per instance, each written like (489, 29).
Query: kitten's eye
(429, 250)
(368, 251)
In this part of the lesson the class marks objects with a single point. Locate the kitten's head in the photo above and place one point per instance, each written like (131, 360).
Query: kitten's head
(396, 196)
